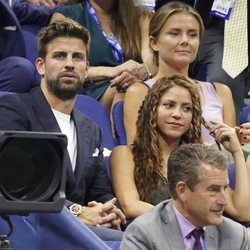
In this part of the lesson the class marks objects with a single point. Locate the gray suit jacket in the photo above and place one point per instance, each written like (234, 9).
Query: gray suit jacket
(158, 229)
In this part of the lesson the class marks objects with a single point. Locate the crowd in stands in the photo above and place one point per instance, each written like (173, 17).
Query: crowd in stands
(118, 51)
(118, 48)
(211, 49)
(217, 103)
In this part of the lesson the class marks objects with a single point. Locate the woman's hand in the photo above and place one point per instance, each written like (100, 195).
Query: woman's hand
(134, 68)
(123, 81)
(227, 136)
(243, 133)
(130, 72)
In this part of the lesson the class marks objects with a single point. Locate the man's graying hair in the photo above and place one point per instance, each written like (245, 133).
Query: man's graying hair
(61, 28)
(185, 164)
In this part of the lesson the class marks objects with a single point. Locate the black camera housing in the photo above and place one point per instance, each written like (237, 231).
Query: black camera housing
(32, 172)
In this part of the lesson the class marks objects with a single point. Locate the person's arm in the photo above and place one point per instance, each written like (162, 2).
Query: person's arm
(142, 71)
(124, 74)
(99, 204)
(105, 215)
(133, 99)
(122, 173)
(225, 94)
(238, 199)
(57, 16)
(96, 73)
(32, 14)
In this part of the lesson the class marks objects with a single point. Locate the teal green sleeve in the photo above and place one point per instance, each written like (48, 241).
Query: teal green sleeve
(71, 11)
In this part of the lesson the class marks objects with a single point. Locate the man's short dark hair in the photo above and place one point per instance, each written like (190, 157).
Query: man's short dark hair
(61, 28)
(185, 164)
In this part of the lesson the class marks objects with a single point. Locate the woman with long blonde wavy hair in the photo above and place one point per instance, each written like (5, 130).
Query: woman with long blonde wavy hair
(147, 147)
(169, 116)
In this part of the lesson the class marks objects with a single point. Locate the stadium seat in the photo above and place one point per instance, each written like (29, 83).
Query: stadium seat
(50, 231)
(96, 111)
(118, 115)
(245, 114)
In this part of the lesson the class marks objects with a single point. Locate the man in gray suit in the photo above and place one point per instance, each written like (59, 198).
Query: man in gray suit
(192, 219)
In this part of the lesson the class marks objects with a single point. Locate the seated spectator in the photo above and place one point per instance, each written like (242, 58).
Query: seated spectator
(119, 51)
(62, 65)
(170, 116)
(192, 219)
(211, 50)
(175, 32)
(31, 14)
(17, 74)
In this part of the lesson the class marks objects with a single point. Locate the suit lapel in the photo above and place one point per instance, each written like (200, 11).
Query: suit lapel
(211, 238)
(49, 123)
(43, 112)
(172, 230)
(82, 131)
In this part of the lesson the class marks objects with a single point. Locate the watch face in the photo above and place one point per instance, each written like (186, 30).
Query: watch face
(76, 209)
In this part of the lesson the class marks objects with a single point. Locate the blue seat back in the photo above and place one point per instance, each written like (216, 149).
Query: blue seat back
(96, 111)
(118, 120)
(50, 231)
(244, 114)
(231, 175)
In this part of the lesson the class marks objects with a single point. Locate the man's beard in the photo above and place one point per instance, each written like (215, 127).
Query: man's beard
(54, 86)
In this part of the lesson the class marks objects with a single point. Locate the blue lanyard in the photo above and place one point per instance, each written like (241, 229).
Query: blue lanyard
(116, 48)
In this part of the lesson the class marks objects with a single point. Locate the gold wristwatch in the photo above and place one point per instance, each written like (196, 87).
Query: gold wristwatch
(75, 209)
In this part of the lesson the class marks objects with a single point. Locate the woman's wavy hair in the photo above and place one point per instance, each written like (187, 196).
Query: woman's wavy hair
(146, 147)
(126, 21)
(164, 13)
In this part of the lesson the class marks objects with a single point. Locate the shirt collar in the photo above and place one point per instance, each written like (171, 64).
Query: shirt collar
(186, 227)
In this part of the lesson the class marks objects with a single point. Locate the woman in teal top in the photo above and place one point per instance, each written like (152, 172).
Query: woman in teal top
(119, 45)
